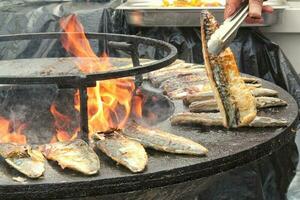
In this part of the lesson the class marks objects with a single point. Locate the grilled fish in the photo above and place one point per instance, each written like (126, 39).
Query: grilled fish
(176, 66)
(182, 82)
(76, 155)
(157, 80)
(128, 153)
(235, 101)
(266, 102)
(163, 141)
(211, 105)
(264, 92)
(23, 158)
(191, 89)
(215, 119)
(209, 95)
(250, 80)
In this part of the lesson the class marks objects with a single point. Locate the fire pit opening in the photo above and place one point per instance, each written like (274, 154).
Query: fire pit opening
(59, 99)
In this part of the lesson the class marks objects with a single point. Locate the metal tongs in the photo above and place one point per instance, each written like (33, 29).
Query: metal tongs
(224, 35)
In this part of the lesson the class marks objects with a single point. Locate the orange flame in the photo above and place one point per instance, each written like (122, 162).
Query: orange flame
(62, 123)
(110, 102)
(7, 135)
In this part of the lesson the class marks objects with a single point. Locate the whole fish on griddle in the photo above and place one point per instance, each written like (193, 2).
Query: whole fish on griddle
(176, 66)
(209, 95)
(163, 141)
(215, 119)
(76, 155)
(192, 89)
(267, 102)
(23, 158)
(264, 92)
(157, 80)
(127, 152)
(183, 81)
(250, 80)
(235, 101)
(211, 104)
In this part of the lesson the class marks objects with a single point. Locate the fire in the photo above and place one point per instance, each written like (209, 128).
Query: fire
(191, 3)
(62, 123)
(10, 134)
(110, 102)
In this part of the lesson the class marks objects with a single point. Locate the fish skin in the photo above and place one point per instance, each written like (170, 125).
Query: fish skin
(204, 106)
(264, 92)
(191, 89)
(262, 122)
(215, 119)
(163, 141)
(182, 81)
(178, 65)
(234, 99)
(250, 80)
(76, 155)
(209, 95)
(252, 86)
(157, 80)
(127, 152)
(24, 159)
(200, 96)
(267, 102)
(211, 105)
(203, 119)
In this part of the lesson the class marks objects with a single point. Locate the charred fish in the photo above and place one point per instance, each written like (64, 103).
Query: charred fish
(234, 99)
(215, 119)
(23, 158)
(76, 155)
(163, 141)
(127, 152)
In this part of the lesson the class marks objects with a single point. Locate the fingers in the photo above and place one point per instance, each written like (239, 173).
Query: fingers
(250, 20)
(255, 8)
(230, 7)
(267, 9)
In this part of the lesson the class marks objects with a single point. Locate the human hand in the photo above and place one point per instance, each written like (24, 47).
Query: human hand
(255, 9)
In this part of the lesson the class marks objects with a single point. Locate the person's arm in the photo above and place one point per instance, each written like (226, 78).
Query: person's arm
(255, 10)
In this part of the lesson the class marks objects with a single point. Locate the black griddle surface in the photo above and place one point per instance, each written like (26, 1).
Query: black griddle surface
(227, 149)
(49, 67)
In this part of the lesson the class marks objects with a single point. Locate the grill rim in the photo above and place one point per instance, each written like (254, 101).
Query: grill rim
(88, 79)
(144, 181)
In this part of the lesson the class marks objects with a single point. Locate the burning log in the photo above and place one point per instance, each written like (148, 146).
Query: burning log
(202, 96)
(128, 153)
(215, 119)
(23, 158)
(163, 141)
(76, 155)
(211, 105)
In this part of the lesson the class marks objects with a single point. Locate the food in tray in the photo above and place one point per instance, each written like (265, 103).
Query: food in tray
(23, 158)
(215, 119)
(191, 3)
(76, 155)
(235, 101)
(124, 151)
(163, 141)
